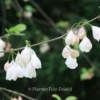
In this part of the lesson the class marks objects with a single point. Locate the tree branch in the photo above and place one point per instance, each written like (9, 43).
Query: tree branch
(54, 39)
(15, 92)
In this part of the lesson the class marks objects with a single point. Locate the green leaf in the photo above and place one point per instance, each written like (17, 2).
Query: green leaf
(30, 8)
(17, 29)
(56, 96)
(20, 27)
(71, 98)
(62, 23)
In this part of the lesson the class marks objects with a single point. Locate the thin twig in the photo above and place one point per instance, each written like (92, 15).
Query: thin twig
(46, 16)
(17, 49)
(54, 39)
(5, 94)
(15, 92)
(18, 5)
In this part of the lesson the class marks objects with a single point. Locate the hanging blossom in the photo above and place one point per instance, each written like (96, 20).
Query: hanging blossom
(2, 46)
(85, 45)
(96, 32)
(19, 98)
(24, 65)
(81, 33)
(68, 53)
(71, 54)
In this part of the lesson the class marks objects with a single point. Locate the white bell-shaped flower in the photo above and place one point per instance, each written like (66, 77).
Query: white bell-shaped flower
(85, 45)
(6, 66)
(81, 33)
(26, 55)
(66, 51)
(19, 61)
(14, 72)
(96, 33)
(30, 71)
(35, 61)
(2, 44)
(70, 38)
(71, 62)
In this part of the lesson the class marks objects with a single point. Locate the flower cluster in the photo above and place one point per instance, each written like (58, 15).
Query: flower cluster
(85, 45)
(2, 46)
(24, 65)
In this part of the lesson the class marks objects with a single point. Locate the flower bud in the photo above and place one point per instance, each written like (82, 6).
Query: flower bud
(66, 52)
(85, 45)
(81, 33)
(96, 33)
(20, 98)
(6, 66)
(27, 14)
(70, 38)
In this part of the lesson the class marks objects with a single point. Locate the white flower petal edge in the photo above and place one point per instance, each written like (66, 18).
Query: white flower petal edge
(81, 33)
(85, 45)
(96, 33)
(71, 62)
(26, 55)
(30, 71)
(70, 38)
(14, 72)
(35, 61)
(18, 60)
(66, 51)
(7, 66)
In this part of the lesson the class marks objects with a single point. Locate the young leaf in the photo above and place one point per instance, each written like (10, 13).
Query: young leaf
(20, 27)
(17, 29)
(56, 96)
(71, 98)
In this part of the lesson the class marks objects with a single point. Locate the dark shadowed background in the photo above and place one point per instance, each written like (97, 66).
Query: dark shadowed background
(54, 72)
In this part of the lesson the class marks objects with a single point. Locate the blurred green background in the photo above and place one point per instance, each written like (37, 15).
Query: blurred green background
(54, 72)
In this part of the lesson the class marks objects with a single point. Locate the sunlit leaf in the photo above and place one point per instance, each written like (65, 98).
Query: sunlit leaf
(71, 98)
(56, 96)
(17, 29)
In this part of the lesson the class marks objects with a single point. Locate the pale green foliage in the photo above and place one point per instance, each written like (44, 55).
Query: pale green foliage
(30, 8)
(16, 30)
(62, 23)
(56, 96)
(71, 98)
